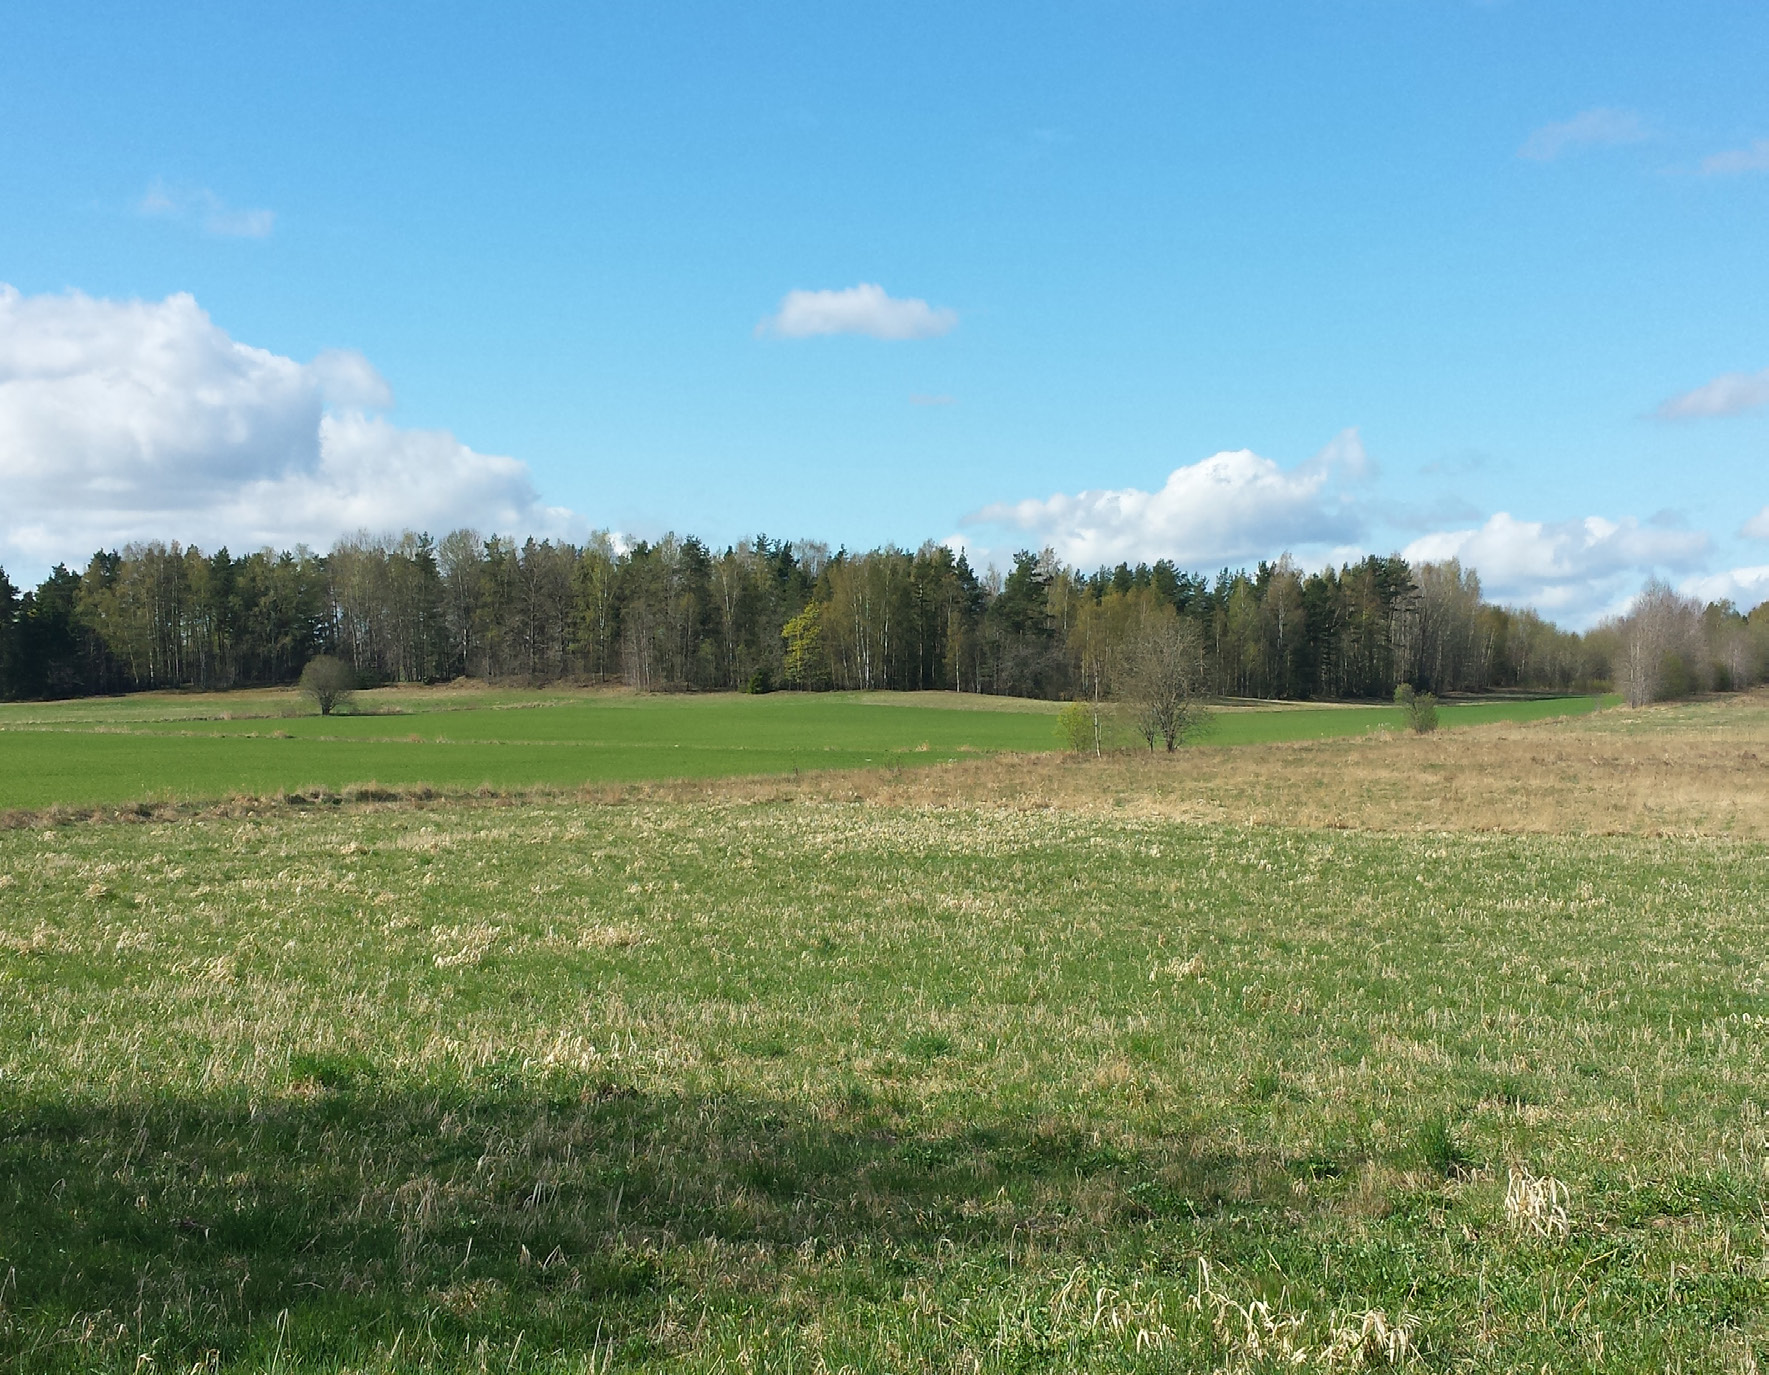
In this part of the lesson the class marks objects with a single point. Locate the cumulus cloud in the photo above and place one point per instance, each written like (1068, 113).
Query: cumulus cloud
(202, 207)
(1728, 394)
(1599, 127)
(125, 420)
(1743, 587)
(347, 379)
(864, 309)
(1575, 569)
(373, 474)
(1232, 505)
(1731, 162)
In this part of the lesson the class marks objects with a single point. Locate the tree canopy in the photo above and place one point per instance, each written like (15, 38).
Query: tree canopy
(677, 614)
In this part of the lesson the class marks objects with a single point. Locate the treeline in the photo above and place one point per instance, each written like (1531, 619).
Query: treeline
(1669, 646)
(764, 613)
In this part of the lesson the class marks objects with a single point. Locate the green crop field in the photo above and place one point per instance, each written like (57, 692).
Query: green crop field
(205, 746)
(485, 1084)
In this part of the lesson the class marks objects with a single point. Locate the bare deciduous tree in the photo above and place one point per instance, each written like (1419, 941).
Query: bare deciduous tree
(1165, 682)
(1661, 645)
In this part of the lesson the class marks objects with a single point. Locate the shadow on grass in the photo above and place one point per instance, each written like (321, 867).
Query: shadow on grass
(346, 1214)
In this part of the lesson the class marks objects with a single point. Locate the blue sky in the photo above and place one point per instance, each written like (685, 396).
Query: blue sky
(1494, 242)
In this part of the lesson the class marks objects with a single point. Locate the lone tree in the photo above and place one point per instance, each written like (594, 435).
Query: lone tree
(1420, 708)
(1661, 639)
(328, 681)
(1080, 723)
(1166, 682)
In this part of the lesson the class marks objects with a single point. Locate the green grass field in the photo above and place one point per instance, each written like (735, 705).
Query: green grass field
(810, 1085)
(164, 747)
(805, 1086)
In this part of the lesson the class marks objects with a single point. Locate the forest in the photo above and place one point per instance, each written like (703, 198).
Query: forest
(766, 614)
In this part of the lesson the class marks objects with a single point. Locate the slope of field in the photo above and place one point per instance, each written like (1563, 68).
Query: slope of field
(807, 1084)
(191, 746)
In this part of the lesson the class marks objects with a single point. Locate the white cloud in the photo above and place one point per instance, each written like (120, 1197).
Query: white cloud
(239, 224)
(126, 420)
(1757, 527)
(373, 474)
(1728, 394)
(864, 309)
(1598, 127)
(1574, 569)
(1344, 451)
(1732, 161)
(347, 379)
(1232, 505)
(202, 207)
(1743, 587)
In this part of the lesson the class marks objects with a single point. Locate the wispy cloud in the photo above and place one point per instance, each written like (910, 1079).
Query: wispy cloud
(1731, 393)
(201, 207)
(865, 309)
(1733, 161)
(1461, 464)
(1757, 527)
(1603, 126)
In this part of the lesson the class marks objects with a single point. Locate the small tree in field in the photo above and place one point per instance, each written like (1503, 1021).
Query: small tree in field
(1081, 724)
(329, 682)
(1166, 682)
(1420, 708)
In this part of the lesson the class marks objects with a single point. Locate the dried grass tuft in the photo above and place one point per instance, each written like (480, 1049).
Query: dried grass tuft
(1538, 1204)
(1260, 1335)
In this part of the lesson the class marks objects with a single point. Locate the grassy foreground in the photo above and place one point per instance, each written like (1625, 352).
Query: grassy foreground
(809, 1085)
(203, 746)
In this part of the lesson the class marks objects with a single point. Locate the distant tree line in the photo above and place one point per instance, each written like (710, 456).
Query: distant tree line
(1669, 646)
(765, 613)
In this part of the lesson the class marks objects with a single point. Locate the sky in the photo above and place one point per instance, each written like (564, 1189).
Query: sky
(1211, 282)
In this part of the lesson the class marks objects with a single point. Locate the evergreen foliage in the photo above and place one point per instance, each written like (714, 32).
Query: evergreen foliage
(676, 615)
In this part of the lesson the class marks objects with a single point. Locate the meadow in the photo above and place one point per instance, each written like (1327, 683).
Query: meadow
(198, 746)
(1010, 1063)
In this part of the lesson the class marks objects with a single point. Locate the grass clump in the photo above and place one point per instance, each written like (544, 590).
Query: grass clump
(1444, 1152)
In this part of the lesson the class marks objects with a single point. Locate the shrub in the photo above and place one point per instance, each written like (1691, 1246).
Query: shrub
(1420, 708)
(1074, 725)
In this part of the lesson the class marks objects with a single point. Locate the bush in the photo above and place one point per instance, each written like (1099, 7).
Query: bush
(329, 682)
(1420, 708)
(1075, 725)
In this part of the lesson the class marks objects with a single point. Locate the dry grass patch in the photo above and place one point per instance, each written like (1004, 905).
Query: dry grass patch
(1681, 769)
